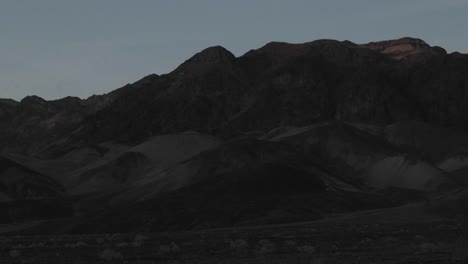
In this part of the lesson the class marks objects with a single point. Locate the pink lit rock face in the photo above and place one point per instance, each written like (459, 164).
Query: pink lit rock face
(404, 48)
(345, 138)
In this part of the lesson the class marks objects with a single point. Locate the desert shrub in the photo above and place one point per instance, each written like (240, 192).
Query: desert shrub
(110, 254)
(239, 246)
(166, 249)
(419, 238)
(366, 242)
(80, 244)
(122, 244)
(428, 247)
(289, 246)
(264, 247)
(389, 241)
(76, 245)
(175, 248)
(15, 253)
(460, 250)
(306, 249)
(100, 240)
(139, 240)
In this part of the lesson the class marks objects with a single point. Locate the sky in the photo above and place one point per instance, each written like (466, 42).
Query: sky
(58, 48)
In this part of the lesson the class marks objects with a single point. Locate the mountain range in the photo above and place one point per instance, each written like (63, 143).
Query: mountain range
(284, 133)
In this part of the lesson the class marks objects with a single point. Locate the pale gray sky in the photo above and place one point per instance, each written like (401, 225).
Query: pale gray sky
(56, 48)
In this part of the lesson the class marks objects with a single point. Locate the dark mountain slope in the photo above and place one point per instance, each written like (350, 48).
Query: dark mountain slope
(19, 182)
(243, 182)
(363, 154)
(26, 194)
